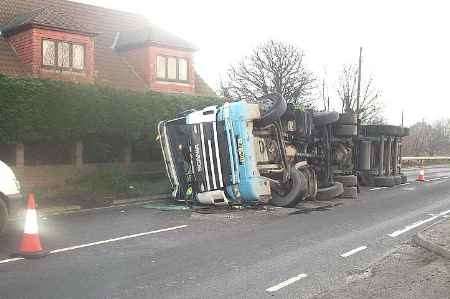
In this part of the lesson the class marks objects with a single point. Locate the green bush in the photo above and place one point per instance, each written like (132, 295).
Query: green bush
(34, 110)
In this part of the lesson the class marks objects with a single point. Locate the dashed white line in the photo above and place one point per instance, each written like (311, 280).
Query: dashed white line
(101, 242)
(417, 224)
(353, 251)
(434, 179)
(445, 177)
(377, 188)
(286, 283)
(405, 184)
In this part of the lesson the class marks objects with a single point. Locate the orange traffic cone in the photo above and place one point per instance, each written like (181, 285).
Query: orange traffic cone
(421, 176)
(31, 247)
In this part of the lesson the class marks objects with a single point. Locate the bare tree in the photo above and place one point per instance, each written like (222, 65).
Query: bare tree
(370, 106)
(428, 140)
(273, 67)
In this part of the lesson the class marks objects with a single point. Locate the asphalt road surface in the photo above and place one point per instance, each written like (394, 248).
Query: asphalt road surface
(147, 253)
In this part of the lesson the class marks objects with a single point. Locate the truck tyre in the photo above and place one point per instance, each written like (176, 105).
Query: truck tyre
(387, 130)
(325, 118)
(273, 110)
(384, 181)
(295, 194)
(397, 179)
(347, 180)
(3, 215)
(404, 178)
(405, 132)
(350, 192)
(330, 192)
(347, 118)
(346, 130)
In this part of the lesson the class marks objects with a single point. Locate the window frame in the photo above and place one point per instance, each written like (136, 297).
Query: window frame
(166, 77)
(56, 65)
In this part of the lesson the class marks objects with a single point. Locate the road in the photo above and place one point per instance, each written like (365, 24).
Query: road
(147, 253)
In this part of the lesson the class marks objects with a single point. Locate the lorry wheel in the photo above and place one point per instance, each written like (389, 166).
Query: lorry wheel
(350, 192)
(384, 181)
(273, 106)
(330, 192)
(325, 118)
(405, 132)
(346, 130)
(397, 179)
(347, 118)
(3, 215)
(404, 178)
(347, 180)
(297, 187)
(387, 130)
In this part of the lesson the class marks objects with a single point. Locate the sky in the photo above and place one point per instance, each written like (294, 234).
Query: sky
(405, 44)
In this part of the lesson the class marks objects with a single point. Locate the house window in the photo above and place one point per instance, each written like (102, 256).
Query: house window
(48, 52)
(62, 55)
(78, 57)
(161, 67)
(171, 68)
(182, 69)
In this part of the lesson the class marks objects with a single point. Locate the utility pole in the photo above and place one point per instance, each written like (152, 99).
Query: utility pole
(402, 118)
(323, 95)
(359, 83)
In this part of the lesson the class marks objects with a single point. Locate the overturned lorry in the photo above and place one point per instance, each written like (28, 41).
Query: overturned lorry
(259, 153)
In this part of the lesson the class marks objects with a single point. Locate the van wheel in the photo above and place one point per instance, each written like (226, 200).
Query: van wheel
(3, 215)
(272, 107)
(297, 189)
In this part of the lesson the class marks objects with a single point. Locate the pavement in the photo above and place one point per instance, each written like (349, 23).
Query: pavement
(139, 252)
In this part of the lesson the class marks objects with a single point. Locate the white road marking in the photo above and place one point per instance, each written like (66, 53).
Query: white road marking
(405, 184)
(377, 188)
(435, 179)
(286, 283)
(11, 260)
(417, 224)
(101, 242)
(353, 251)
(445, 177)
(117, 239)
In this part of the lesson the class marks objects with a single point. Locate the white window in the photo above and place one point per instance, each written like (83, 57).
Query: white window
(161, 67)
(171, 68)
(182, 69)
(63, 55)
(48, 52)
(78, 57)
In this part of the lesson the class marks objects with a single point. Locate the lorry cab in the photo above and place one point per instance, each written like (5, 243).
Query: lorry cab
(11, 200)
(210, 155)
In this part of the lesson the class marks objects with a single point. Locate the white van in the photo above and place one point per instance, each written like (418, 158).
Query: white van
(11, 199)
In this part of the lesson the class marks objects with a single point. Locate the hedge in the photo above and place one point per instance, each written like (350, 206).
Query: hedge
(34, 110)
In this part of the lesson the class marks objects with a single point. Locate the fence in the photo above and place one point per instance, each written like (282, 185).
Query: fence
(46, 165)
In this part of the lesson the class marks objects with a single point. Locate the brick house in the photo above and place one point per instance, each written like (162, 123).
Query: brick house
(64, 40)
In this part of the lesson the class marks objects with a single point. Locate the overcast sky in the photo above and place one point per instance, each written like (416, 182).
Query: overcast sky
(405, 44)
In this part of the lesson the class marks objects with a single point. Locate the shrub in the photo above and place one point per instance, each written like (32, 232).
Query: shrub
(35, 110)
